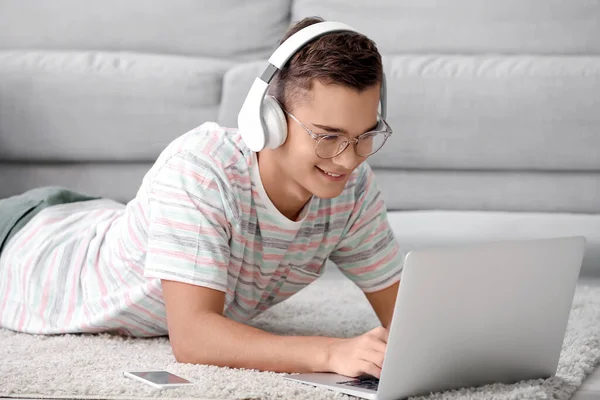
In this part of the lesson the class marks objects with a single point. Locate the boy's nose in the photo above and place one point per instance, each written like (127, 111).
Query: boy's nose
(347, 158)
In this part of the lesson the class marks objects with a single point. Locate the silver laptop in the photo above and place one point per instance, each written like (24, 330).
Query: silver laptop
(472, 315)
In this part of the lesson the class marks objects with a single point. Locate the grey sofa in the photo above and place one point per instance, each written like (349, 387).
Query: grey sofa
(495, 105)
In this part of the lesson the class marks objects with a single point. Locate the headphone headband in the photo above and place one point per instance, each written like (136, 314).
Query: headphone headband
(295, 42)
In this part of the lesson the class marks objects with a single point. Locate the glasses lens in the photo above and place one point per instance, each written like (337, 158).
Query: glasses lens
(331, 146)
(370, 143)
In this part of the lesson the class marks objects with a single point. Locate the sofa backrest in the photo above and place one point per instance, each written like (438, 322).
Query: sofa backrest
(493, 104)
(468, 26)
(216, 29)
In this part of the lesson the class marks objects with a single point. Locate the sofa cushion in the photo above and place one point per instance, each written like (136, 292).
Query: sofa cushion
(487, 112)
(224, 28)
(493, 113)
(102, 106)
(467, 26)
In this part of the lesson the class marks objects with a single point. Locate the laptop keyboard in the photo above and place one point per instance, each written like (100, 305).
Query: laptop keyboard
(365, 383)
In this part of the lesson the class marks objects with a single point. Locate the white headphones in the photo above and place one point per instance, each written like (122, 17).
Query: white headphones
(261, 121)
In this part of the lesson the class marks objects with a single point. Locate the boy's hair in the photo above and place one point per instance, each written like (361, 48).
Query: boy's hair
(342, 58)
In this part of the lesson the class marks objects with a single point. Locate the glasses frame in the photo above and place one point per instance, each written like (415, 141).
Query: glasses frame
(354, 141)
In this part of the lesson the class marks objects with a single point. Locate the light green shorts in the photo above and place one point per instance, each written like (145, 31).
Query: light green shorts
(17, 211)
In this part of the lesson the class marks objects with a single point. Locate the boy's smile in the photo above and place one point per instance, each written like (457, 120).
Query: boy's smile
(334, 176)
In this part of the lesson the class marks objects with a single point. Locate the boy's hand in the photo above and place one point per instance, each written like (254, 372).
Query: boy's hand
(359, 355)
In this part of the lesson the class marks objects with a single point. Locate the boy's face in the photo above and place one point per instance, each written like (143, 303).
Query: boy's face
(327, 109)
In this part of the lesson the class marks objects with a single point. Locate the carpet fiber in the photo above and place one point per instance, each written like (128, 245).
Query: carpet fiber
(91, 366)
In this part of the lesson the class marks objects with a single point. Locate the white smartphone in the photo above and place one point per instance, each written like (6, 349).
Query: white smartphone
(158, 379)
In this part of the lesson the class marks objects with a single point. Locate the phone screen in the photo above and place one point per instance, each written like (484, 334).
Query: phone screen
(160, 377)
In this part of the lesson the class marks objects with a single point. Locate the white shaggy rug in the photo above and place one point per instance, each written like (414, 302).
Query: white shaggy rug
(91, 366)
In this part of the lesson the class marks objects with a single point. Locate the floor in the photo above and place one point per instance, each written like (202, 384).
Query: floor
(590, 390)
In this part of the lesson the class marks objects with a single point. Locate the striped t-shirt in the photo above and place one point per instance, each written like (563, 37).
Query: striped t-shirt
(201, 216)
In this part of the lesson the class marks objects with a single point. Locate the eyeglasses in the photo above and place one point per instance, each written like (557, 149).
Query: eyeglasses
(330, 145)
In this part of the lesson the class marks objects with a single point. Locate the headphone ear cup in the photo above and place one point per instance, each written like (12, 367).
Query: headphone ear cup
(274, 123)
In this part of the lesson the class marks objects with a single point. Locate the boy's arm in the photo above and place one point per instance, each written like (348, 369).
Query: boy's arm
(200, 334)
(383, 302)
